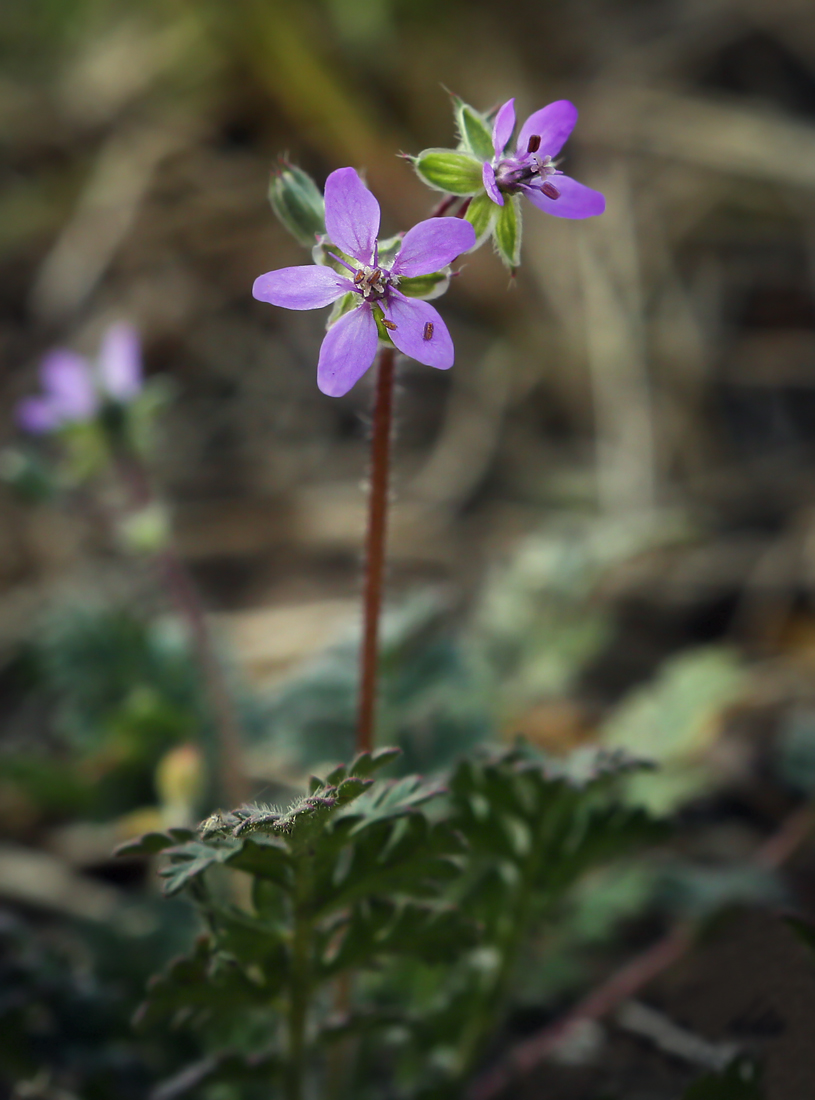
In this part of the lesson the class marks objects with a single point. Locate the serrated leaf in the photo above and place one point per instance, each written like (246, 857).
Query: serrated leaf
(367, 763)
(508, 230)
(481, 214)
(147, 845)
(265, 857)
(386, 926)
(194, 987)
(475, 131)
(449, 171)
(187, 863)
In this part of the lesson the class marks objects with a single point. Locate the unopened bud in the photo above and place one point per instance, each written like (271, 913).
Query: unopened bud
(298, 203)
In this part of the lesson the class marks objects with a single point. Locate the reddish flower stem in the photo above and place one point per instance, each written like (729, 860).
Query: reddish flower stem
(375, 547)
(230, 783)
(445, 204)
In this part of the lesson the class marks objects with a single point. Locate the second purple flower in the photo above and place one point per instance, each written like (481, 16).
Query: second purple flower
(374, 306)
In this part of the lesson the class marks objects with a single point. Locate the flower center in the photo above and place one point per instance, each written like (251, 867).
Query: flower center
(528, 168)
(373, 282)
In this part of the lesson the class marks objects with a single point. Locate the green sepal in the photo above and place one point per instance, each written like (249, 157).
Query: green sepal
(341, 307)
(447, 170)
(298, 203)
(426, 286)
(387, 249)
(382, 332)
(481, 214)
(474, 130)
(508, 231)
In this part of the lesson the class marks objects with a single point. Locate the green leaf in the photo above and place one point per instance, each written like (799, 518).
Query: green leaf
(474, 130)
(508, 230)
(195, 987)
(446, 170)
(385, 926)
(367, 763)
(481, 214)
(265, 857)
(147, 845)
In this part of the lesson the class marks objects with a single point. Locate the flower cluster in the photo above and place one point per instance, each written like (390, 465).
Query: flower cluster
(379, 289)
(488, 179)
(74, 390)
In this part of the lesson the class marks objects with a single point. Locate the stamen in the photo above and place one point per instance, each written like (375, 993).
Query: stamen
(334, 256)
(550, 190)
(360, 275)
(428, 330)
(388, 324)
(534, 144)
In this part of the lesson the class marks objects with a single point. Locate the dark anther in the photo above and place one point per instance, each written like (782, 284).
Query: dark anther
(534, 144)
(550, 190)
(387, 323)
(428, 330)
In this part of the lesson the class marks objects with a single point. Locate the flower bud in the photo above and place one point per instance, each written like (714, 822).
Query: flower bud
(457, 173)
(297, 202)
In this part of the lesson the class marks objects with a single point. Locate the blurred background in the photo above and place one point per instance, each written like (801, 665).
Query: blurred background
(604, 521)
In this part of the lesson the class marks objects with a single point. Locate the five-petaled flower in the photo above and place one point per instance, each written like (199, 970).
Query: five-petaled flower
(75, 389)
(415, 327)
(531, 169)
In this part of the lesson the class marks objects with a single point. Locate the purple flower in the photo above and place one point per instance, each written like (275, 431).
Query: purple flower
(531, 168)
(73, 389)
(414, 326)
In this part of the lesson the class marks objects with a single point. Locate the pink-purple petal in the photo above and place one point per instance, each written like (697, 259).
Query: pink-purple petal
(120, 368)
(576, 200)
(351, 214)
(433, 244)
(552, 124)
(490, 186)
(415, 320)
(37, 415)
(308, 287)
(347, 352)
(67, 382)
(503, 126)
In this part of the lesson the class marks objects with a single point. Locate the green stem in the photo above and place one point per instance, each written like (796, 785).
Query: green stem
(299, 991)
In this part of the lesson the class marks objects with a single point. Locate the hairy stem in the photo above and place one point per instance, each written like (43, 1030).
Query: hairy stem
(375, 547)
(299, 993)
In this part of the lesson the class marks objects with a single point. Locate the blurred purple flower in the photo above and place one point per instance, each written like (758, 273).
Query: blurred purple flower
(74, 389)
(531, 169)
(414, 326)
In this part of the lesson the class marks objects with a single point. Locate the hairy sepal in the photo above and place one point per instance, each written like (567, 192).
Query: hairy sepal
(507, 231)
(455, 173)
(426, 287)
(474, 130)
(481, 214)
